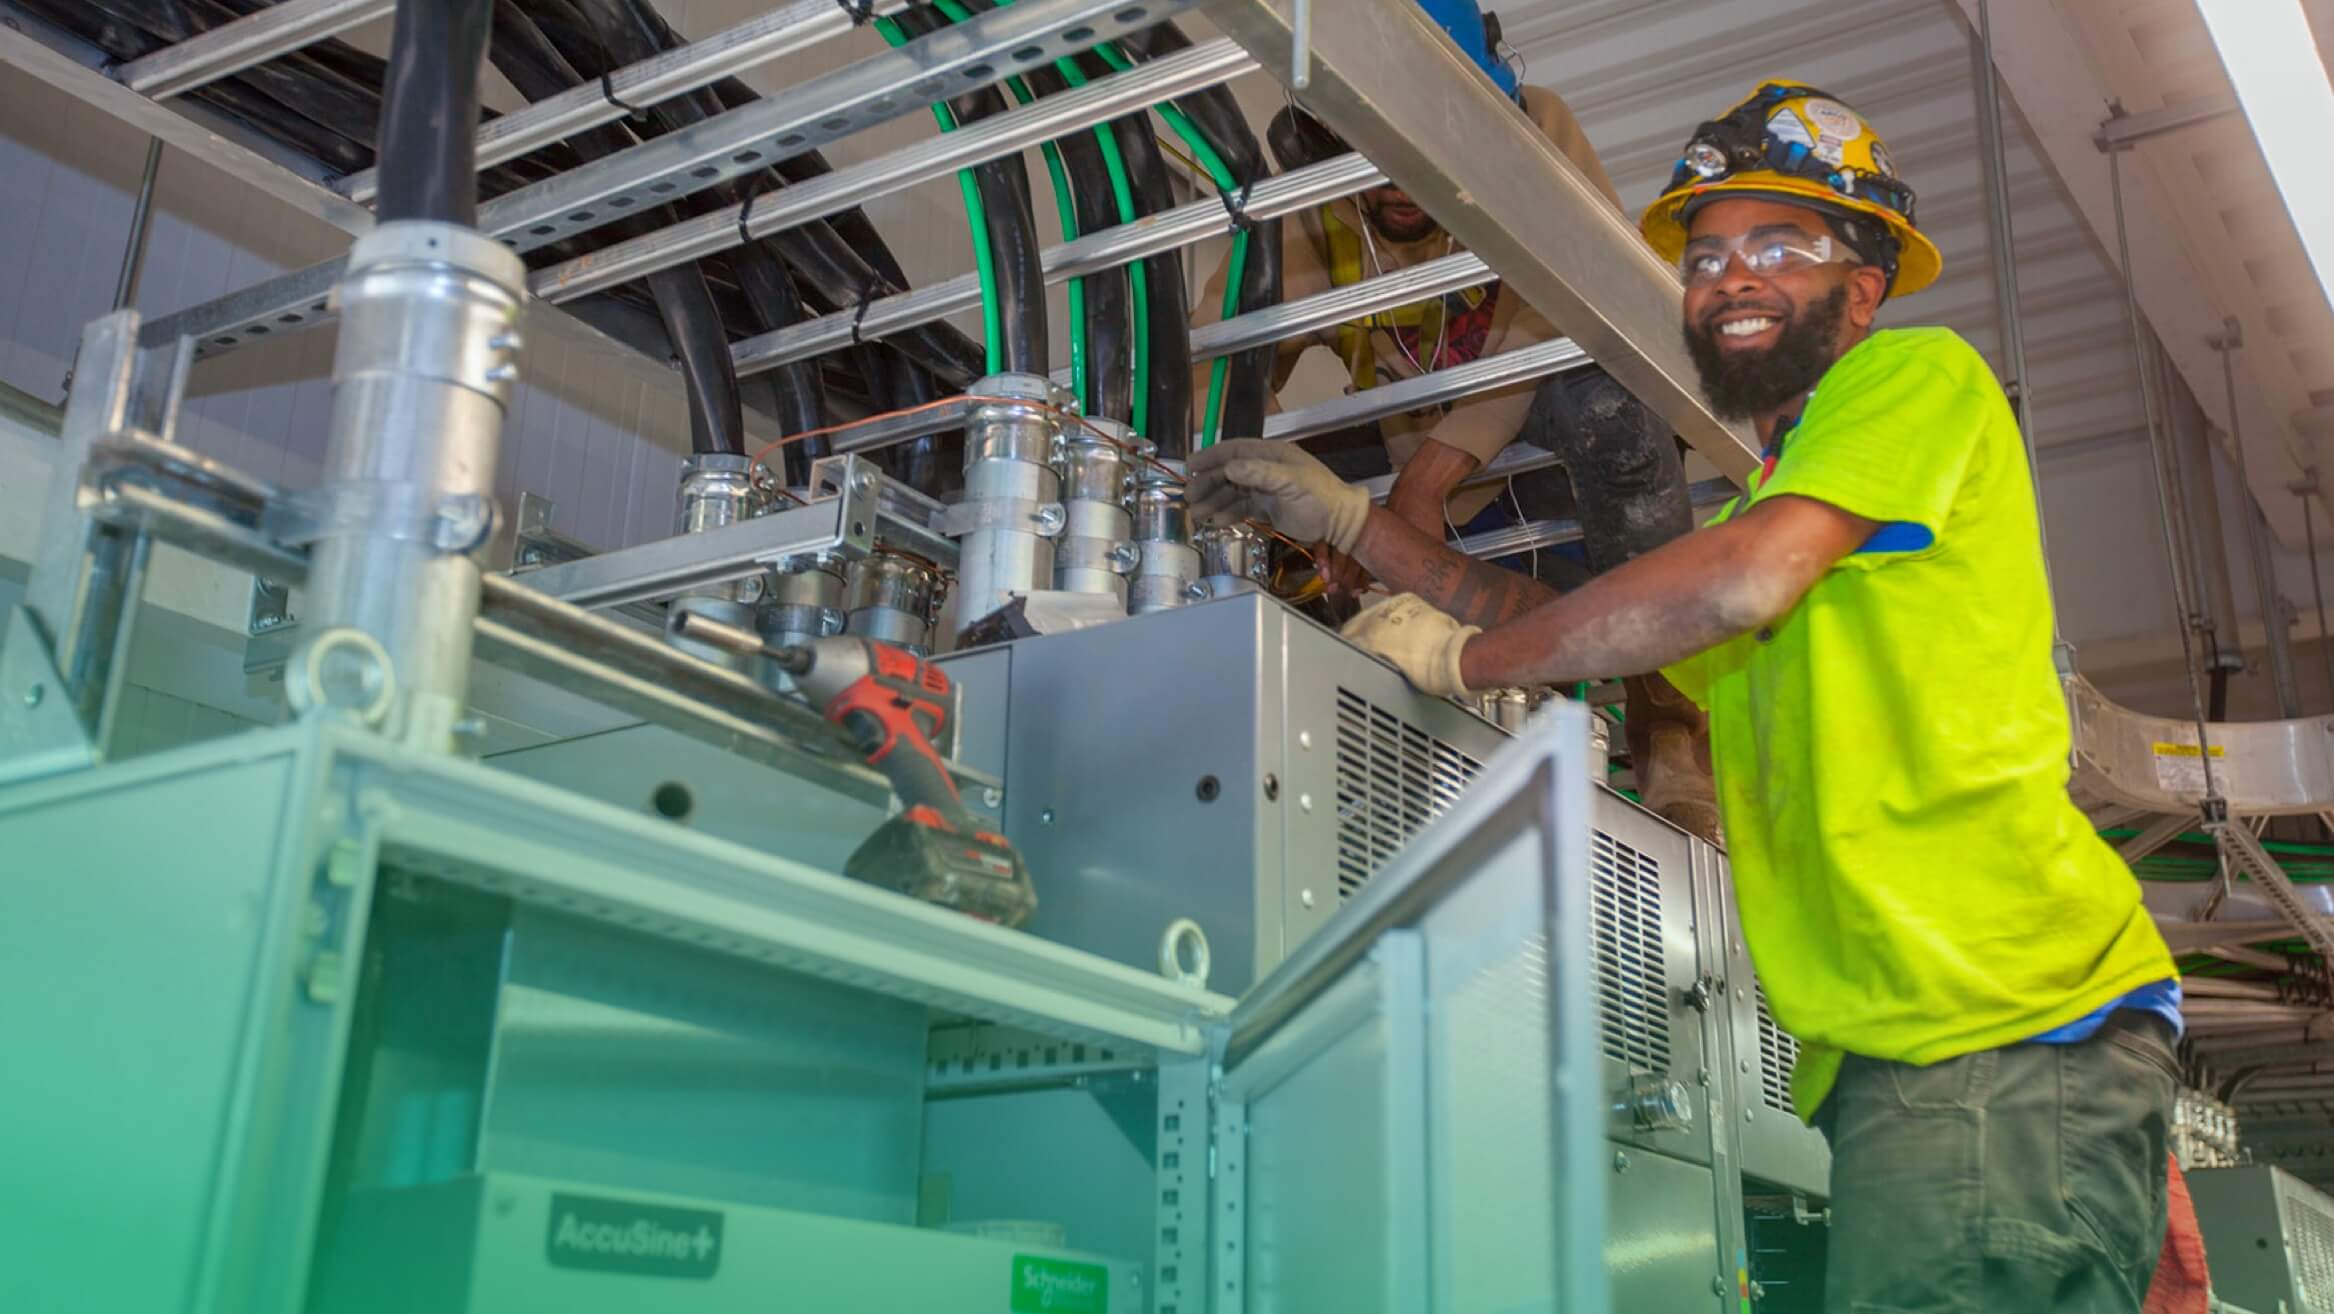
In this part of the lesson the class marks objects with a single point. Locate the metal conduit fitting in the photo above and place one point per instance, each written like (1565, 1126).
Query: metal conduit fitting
(1168, 569)
(422, 376)
(1231, 560)
(802, 600)
(894, 598)
(1011, 510)
(717, 490)
(1097, 469)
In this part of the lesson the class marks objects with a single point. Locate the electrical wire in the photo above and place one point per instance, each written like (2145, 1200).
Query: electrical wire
(976, 218)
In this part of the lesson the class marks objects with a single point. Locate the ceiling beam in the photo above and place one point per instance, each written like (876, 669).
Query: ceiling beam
(2045, 71)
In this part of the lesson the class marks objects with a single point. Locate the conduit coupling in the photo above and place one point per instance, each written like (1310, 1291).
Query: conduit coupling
(1168, 573)
(802, 600)
(1097, 469)
(1011, 512)
(422, 376)
(1231, 560)
(894, 598)
(717, 490)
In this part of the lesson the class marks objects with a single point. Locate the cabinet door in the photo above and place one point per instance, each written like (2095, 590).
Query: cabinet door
(1411, 1114)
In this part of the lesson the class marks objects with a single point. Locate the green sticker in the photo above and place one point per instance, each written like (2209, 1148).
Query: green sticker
(632, 1236)
(1057, 1286)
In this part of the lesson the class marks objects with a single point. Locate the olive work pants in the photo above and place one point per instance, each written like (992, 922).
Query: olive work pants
(2022, 1180)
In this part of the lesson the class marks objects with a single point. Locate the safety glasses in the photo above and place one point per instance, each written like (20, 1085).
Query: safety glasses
(1765, 254)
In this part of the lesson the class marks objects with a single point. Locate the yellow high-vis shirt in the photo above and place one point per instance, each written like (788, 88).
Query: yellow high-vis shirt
(1892, 755)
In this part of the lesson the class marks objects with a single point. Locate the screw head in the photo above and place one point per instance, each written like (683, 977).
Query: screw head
(991, 796)
(1620, 1161)
(1305, 740)
(1718, 1286)
(34, 695)
(1046, 818)
(1305, 802)
(1305, 897)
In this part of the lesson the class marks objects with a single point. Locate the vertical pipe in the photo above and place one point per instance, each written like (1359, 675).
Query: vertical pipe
(2274, 628)
(422, 377)
(1096, 549)
(2144, 355)
(125, 286)
(717, 490)
(2305, 490)
(2004, 242)
(1012, 495)
(2195, 484)
(1170, 564)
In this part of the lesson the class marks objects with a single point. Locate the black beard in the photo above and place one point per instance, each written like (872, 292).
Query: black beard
(1744, 385)
(1420, 231)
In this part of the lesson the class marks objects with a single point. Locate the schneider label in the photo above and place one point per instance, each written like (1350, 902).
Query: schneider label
(1058, 1286)
(630, 1236)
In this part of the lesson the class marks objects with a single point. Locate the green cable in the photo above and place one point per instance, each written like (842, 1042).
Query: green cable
(1068, 215)
(1203, 151)
(2198, 837)
(1123, 192)
(992, 324)
(1063, 211)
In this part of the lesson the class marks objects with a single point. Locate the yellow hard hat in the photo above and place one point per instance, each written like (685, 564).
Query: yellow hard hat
(1794, 143)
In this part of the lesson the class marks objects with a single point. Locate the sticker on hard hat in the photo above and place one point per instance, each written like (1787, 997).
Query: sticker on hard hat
(1833, 119)
(1788, 128)
(1882, 163)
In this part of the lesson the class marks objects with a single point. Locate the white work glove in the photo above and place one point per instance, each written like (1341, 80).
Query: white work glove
(1279, 483)
(1424, 644)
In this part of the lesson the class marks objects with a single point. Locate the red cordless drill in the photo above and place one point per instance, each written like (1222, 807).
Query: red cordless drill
(894, 704)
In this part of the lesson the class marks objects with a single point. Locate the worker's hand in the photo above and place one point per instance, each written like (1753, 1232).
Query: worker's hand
(1344, 576)
(1279, 483)
(1423, 643)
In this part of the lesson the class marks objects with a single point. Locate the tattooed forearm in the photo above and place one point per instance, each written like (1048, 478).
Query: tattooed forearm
(1475, 592)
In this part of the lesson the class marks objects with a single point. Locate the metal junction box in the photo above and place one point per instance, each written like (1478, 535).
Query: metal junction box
(1231, 762)
(2269, 1237)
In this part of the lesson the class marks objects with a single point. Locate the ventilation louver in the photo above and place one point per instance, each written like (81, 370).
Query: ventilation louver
(1632, 989)
(2309, 1232)
(1392, 780)
(1778, 1054)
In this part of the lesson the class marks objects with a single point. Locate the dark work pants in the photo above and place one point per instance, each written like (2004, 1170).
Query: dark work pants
(1621, 468)
(2027, 1179)
(1621, 475)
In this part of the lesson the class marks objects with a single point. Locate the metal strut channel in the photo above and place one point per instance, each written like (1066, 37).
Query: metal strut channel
(1006, 134)
(1536, 361)
(660, 77)
(808, 115)
(1338, 305)
(1391, 84)
(1091, 254)
(1548, 533)
(255, 38)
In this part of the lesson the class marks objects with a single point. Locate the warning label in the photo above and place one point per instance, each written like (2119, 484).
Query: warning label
(2180, 767)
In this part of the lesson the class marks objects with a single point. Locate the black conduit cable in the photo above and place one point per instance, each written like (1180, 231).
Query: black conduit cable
(1011, 223)
(429, 112)
(599, 35)
(1170, 317)
(1108, 294)
(266, 114)
(1217, 116)
(778, 302)
(528, 60)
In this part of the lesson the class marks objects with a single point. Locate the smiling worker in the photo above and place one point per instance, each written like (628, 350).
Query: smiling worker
(1986, 1010)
